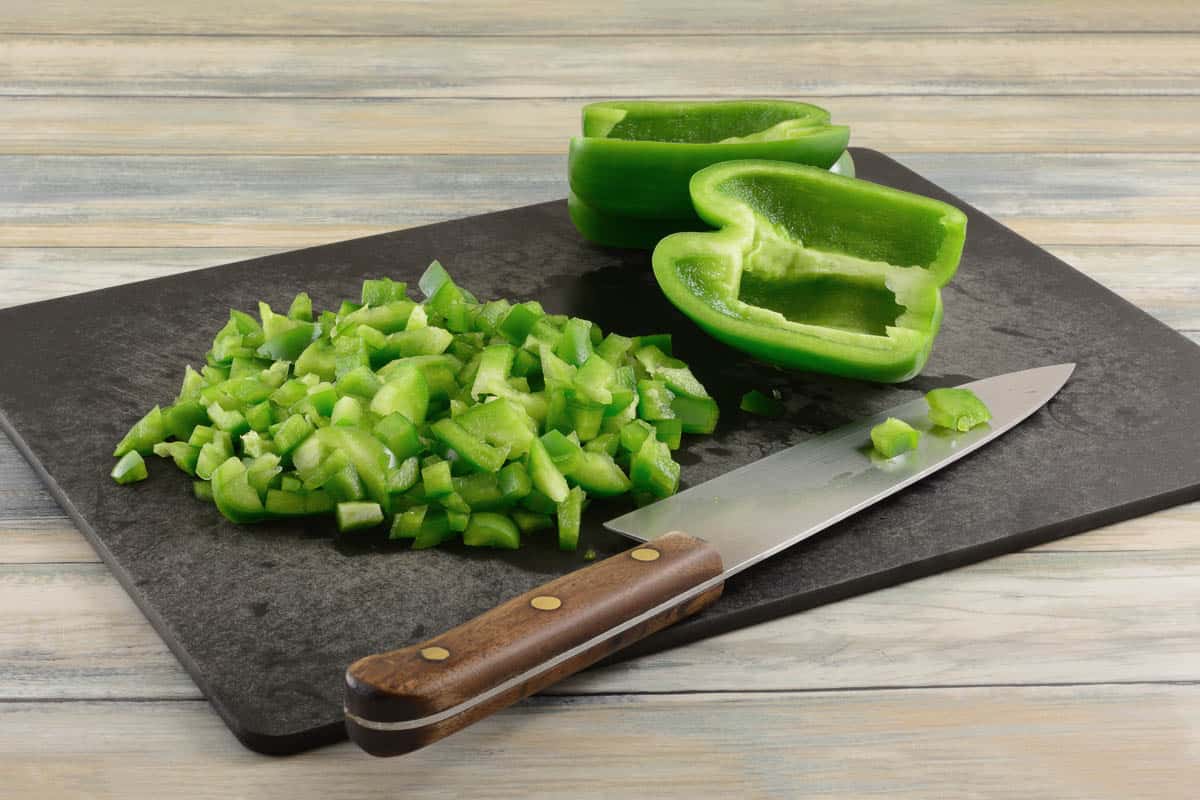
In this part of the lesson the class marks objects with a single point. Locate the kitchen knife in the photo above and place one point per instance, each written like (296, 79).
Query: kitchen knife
(689, 544)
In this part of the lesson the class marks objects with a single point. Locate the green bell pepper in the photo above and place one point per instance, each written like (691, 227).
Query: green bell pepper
(131, 468)
(629, 170)
(814, 271)
(893, 437)
(956, 409)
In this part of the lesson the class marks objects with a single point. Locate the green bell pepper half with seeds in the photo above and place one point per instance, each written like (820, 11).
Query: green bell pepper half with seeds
(814, 271)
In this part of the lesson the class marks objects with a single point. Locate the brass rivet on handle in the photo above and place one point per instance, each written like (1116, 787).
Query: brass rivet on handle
(435, 653)
(645, 554)
(545, 602)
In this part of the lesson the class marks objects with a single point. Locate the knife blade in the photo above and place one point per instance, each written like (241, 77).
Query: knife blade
(755, 511)
(402, 700)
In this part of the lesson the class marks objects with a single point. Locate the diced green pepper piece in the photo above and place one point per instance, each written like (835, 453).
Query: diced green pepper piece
(487, 529)
(654, 400)
(260, 417)
(201, 435)
(956, 409)
(376, 292)
(233, 494)
(436, 480)
(592, 380)
(282, 503)
(347, 411)
(764, 405)
(565, 453)
(387, 318)
(193, 382)
(318, 359)
(202, 490)
(458, 520)
(529, 522)
(575, 345)
(570, 514)
(669, 431)
(599, 475)
(289, 343)
(145, 433)
(633, 434)
(676, 374)
(653, 470)
(519, 321)
(294, 430)
(289, 393)
(183, 454)
(607, 443)
(893, 437)
(406, 392)
(478, 492)
(495, 364)
(130, 468)
(358, 516)
(399, 435)
(432, 279)
(407, 524)
(695, 414)
(232, 422)
(545, 475)
(404, 477)
(360, 382)
(514, 483)
(470, 448)
(262, 471)
(182, 418)
(502, 423)
(586, 418)
(614, 348)
(213, 454)
(301, 308)
(435, 529)
(490, 315)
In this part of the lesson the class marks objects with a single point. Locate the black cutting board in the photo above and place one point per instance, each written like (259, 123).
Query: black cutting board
(266, 618)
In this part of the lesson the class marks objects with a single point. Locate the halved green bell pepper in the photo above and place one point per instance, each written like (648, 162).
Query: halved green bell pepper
(629, 171)
(812, 270)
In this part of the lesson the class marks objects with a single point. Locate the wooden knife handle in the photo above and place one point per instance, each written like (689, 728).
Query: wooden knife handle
(403, 700)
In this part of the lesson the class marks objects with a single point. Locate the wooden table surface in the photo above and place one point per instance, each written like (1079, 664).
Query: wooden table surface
(141, 137)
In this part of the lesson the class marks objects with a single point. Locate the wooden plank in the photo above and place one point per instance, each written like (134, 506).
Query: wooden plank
(894, 124)
(1066, 743)
(643, 66)
(30, 274)
(42, 540)
(503, 17)
(286, 202)
(1020, 619)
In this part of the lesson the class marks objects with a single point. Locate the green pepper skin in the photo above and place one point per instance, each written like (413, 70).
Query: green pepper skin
(629, 171)
(814, 271)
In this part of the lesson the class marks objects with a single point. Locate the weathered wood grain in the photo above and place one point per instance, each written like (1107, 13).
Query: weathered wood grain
(892, 123)
(286, 202)
(601, 66)
(1068, 743)
(574, 17)
(1027, 618)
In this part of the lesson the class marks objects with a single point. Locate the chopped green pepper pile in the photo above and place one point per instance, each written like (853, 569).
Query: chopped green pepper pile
(440, 419)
